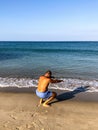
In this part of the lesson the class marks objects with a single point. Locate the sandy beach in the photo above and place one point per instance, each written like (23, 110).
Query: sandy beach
(19, 110)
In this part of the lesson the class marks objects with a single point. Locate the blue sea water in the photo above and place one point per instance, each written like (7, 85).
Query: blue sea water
(70, 61)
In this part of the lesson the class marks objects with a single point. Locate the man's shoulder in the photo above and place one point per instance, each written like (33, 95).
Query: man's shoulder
(43, 77)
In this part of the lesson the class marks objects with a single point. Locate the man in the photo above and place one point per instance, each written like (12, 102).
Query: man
(42, 89)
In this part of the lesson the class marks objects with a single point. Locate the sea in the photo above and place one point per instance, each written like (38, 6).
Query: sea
(75, 62)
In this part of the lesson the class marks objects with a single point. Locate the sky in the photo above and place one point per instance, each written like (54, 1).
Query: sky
(48, 20)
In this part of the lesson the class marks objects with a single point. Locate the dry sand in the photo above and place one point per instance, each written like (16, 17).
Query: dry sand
(20, 111)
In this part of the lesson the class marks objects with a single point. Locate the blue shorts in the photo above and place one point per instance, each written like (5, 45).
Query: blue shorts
(43, 95)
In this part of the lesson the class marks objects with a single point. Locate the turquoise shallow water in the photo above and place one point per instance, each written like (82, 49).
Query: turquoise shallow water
(65, 59)
(21, 63)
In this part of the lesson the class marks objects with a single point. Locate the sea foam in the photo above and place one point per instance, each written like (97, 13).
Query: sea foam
(67, 84)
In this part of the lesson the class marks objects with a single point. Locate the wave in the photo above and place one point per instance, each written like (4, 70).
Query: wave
(45, 50)
(67, 84)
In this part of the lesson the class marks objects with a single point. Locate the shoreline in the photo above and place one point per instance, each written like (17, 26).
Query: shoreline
(76, 95)
(68, 84)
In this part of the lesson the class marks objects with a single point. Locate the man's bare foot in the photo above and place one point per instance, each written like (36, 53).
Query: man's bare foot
(46, 105)
(41, 102)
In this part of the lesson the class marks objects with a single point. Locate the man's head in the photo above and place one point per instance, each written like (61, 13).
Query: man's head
(48, 73)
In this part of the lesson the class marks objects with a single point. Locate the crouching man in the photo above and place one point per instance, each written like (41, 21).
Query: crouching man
(42, 89)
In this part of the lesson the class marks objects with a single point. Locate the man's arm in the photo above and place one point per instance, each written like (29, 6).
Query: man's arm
(55, 81)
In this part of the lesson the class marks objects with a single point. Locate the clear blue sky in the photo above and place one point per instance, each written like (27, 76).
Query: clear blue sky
(48, 20)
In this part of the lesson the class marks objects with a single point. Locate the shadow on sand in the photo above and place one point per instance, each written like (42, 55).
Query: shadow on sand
(71, 94)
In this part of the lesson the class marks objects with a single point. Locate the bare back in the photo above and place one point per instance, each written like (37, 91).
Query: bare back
(43, 84)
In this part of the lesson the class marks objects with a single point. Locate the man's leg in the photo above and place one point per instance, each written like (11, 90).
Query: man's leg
(40, 102)
(45, 104)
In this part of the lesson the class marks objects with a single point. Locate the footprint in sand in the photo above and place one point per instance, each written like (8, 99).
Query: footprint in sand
(13, 117)
(6, 124)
